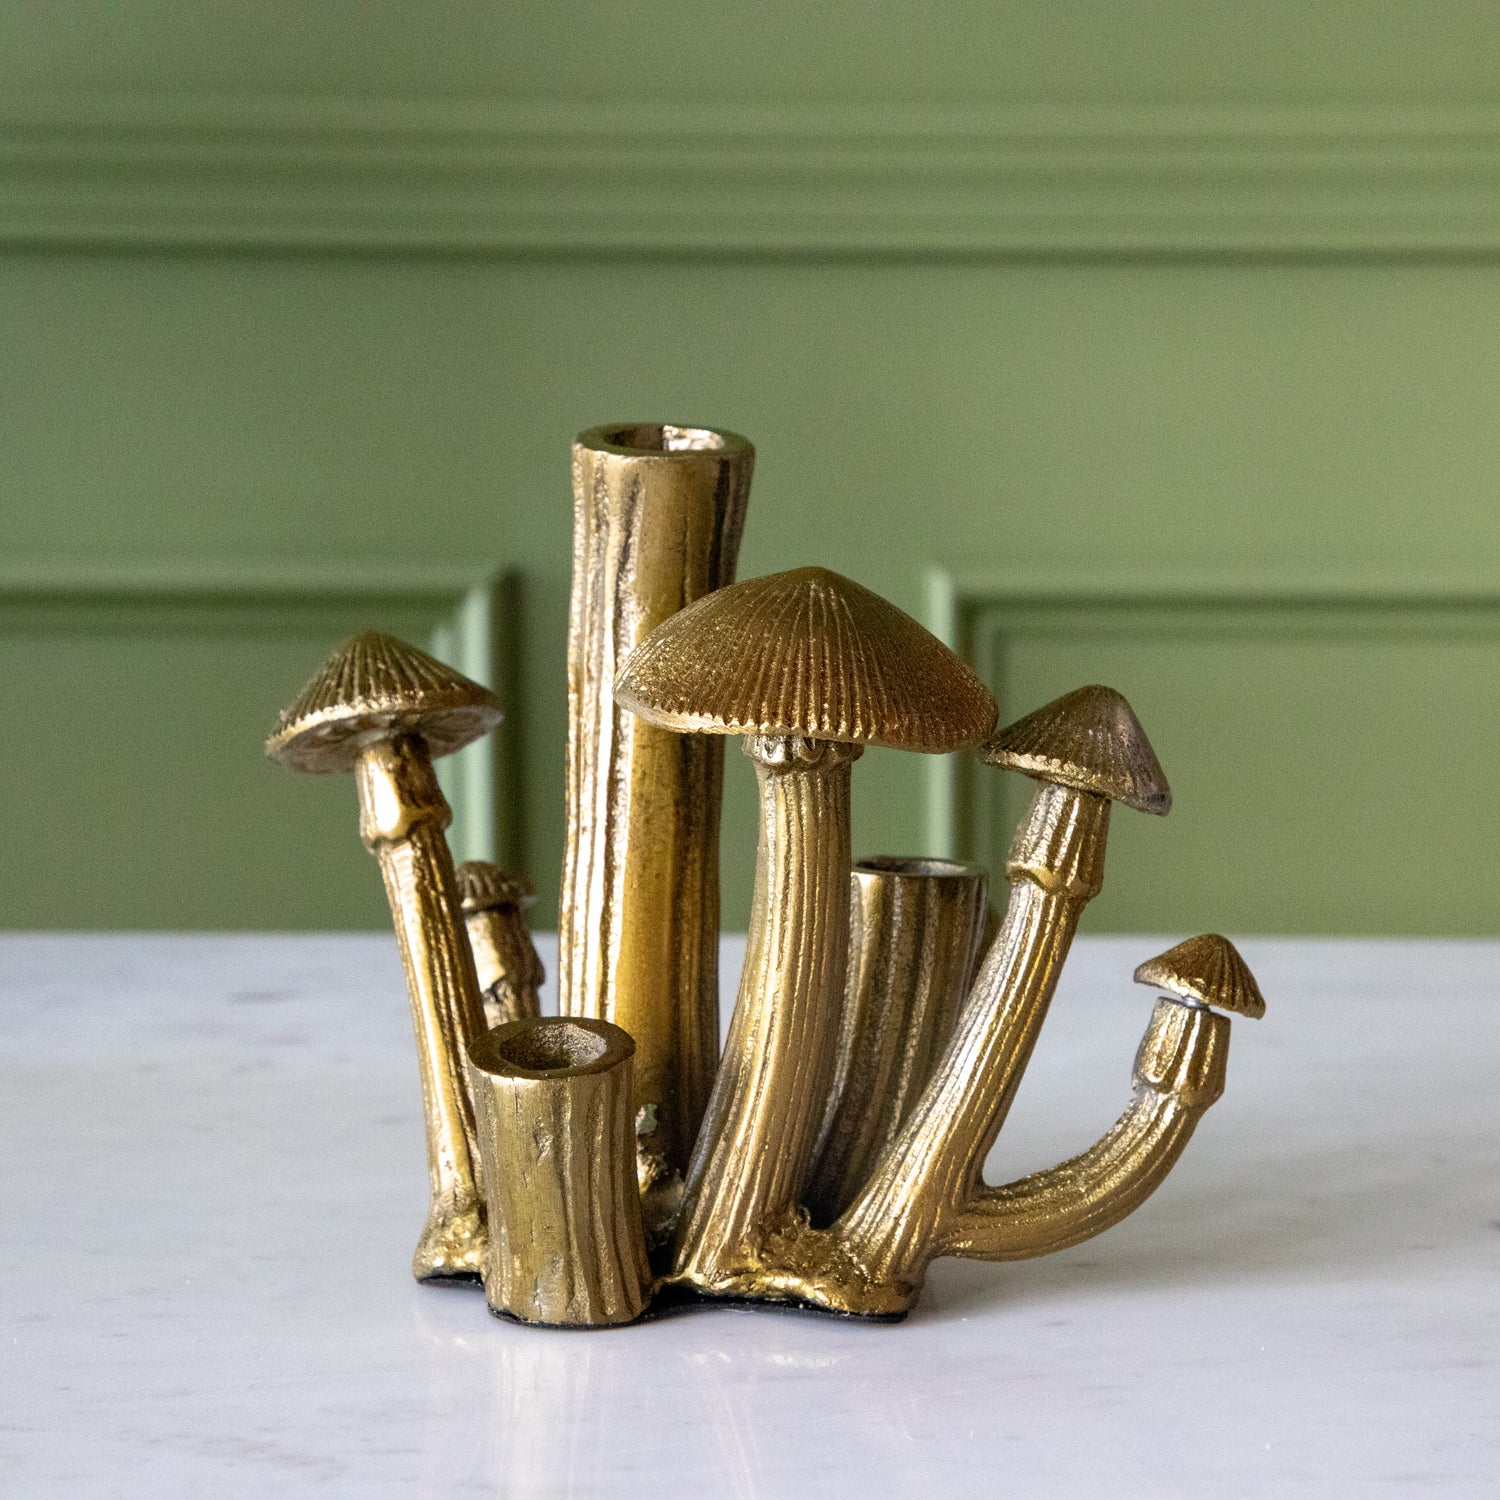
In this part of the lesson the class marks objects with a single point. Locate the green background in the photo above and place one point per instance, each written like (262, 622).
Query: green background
(1148, 344)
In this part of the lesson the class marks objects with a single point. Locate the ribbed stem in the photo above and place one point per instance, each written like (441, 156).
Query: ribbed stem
(1179, 1073)
(402, 818)
(658, 513)
(507, 964)
(757, 1138)
(557, 1131)
(895, 1225)
(915, 926)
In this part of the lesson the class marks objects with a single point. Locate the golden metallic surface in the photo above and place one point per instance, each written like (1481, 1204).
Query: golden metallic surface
(494, 907)
(885, 1015)
(806, 652)
(897, 1223)
(374, 687)
(915, 932)
(1088, 739)
(830, 667)
(925, 1196)
(391, 692)
(658, 513)
(1208, 969)
(757, 1138)
(556, 1113)
(1179, 1073)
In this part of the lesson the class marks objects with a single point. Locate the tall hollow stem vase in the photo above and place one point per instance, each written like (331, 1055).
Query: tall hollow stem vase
(658, 513)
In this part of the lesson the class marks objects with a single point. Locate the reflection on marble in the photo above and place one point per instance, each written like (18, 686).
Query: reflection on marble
(213, 1170)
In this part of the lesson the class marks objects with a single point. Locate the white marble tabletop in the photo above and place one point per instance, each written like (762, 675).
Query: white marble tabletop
(213, 1178)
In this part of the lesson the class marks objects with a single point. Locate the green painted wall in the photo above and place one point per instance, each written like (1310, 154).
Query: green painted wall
(1250, 478)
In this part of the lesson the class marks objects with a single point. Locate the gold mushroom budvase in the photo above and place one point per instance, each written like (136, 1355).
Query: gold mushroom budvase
(591, 1164)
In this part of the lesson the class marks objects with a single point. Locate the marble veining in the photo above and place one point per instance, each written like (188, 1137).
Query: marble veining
(1311, 1304)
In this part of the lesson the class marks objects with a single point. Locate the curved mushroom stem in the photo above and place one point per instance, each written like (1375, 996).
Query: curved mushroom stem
(1179, 1074)
(402, 815)
(752, 1154)
(1056, 867)
(873, 1260)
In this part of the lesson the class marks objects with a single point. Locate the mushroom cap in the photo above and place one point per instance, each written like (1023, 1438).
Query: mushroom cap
(1207, 968)
(486, 887)
(372, 687)
(806, 652)
(1089, 739)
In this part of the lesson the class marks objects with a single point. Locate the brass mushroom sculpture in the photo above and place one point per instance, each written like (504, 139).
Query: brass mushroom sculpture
(585, 1164)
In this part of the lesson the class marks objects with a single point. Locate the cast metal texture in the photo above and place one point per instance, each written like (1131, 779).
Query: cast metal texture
(914, 940)
(658, 514)
(382, 709)
(820, 667)
(556, 1112)
(884, 1019)
(505, 959)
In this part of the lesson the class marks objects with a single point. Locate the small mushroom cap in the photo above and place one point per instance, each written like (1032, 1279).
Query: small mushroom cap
(1089, 739)
(486, 887)
(372, 687)
(806, 652)
(1207, 968)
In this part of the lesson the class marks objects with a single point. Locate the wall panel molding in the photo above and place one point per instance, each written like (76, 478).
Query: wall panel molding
(468, 621)
(983, 617)
(587, 177)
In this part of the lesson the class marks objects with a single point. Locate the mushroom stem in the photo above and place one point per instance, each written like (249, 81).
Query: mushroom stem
(507, 965)
(753, 1152)
(897, 1223)
(658, 513)
(915, 926)
(505, 958)
(402, 815)
(1179, 1074)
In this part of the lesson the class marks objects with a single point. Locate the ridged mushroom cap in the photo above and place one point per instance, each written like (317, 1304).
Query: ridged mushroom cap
(486, 887)
(1089, 739)
(806, 652)
(1207, 968)
(372, 687)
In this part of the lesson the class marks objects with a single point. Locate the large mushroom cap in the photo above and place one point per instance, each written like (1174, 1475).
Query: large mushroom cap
(810, 653)
(483, 886)
(1089, 739)
(374, 686)
(1207, 968)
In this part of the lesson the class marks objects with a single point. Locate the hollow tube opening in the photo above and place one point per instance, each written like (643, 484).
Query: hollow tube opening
(663, 437)
(553, 1044)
